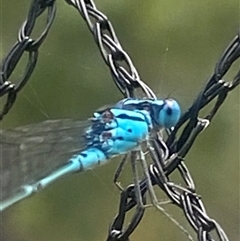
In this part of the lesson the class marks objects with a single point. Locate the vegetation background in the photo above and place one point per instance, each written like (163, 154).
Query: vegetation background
(174, 45)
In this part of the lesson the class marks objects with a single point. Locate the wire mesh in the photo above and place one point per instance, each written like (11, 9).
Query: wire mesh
(178, 144)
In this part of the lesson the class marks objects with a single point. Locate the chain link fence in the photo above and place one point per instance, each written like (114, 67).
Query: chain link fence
(169, 156)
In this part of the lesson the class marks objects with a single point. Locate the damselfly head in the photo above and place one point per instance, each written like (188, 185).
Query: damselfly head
(169, 113)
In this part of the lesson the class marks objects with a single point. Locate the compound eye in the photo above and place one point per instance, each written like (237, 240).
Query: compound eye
(169, 114)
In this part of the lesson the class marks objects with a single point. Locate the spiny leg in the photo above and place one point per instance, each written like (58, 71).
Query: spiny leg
(138, 194)
(143, 162)
(118, 172)
(140, 156)
(153, 197)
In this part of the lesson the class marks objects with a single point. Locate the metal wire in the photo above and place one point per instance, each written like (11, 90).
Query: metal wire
(121, 67)
(24, 44)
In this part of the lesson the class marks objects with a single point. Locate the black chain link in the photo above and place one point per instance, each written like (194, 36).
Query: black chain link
(126, 78)
(169, 154)
(24, 44)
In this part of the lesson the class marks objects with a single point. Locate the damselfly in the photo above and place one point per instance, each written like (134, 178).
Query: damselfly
(34, 156)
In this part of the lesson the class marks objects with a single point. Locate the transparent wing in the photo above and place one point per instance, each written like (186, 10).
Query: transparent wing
(31, 152)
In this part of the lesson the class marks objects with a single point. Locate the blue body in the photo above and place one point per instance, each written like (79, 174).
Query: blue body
(114, 131)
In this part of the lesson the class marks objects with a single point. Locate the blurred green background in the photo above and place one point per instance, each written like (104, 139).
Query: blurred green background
(174, 44)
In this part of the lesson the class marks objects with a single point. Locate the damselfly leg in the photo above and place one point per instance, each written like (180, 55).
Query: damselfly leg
(119, 171)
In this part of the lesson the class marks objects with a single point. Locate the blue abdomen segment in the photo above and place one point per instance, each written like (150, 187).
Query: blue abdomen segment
(89, 158)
